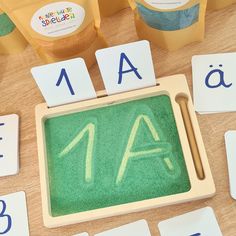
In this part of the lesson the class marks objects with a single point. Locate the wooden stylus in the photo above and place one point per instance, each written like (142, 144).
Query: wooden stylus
(183, 103)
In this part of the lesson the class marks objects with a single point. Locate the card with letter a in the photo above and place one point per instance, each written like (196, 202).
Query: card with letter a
(214, 82)
(201, 222)
(138, 228)
(126, 67)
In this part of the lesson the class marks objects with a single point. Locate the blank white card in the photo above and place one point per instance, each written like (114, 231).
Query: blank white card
(230, 142)
(138, 228)
(201, 222)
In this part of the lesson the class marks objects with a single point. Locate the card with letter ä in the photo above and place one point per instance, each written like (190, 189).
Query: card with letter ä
(214, 82)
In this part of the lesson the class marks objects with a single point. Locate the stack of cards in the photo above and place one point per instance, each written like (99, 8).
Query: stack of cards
(214, 83)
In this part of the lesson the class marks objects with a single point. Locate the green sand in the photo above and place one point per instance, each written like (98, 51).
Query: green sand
(6, 25)
(145, 177)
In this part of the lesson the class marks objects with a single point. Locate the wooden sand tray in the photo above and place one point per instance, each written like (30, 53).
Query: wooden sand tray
(95, 163)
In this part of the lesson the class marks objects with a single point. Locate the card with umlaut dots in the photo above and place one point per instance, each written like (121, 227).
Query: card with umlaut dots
(213, 82)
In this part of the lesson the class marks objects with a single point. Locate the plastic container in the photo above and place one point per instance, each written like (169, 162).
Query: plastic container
(170, 26)
(218, 4)
(11, 40)
(59, 30)
(110, 7)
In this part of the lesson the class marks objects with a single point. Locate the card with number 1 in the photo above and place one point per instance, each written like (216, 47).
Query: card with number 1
(64, 82)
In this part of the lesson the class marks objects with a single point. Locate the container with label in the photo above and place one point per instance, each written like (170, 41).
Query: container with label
(11, 40)
(59, 30)
(170, 24)
(108, 9)
(217, 4)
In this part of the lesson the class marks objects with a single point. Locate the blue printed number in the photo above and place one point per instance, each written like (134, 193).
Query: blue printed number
(64, 75)
(197, 234)
(132, 68)
(3, 215)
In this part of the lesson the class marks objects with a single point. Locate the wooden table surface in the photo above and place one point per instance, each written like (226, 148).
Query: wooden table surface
(19, 94)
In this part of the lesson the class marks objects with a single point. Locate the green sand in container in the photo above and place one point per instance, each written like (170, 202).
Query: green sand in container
(73, 188)
(6, 25)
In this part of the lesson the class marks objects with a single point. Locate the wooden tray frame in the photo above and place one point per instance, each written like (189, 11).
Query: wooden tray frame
(171, 86)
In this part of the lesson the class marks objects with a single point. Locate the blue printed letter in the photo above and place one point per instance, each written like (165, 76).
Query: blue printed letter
(221, 79)
(2, 215)
(121, 71)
